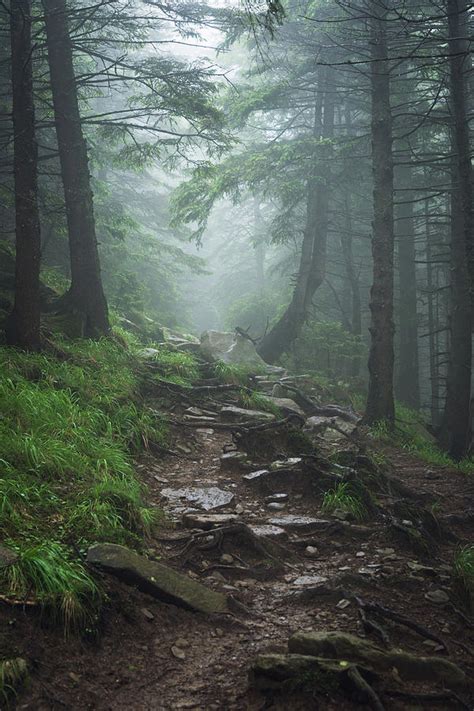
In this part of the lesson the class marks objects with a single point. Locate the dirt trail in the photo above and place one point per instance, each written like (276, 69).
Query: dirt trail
(152, 656)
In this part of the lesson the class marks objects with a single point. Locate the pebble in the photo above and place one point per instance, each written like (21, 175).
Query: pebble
(226, 559)
(239, 509)
(147, 614)
(360, 554)
(275, 506)
(311, 551)
(439, 597)
(178, 653)
(342, 604)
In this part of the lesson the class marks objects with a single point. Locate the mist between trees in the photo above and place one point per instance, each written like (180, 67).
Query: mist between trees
(300, 170)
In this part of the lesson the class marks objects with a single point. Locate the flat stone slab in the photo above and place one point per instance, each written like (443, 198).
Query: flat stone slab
(243, 415)
(229, 459)
(285, 464)
(208, 521)
(305, 580)
(269, 531)
(256, 477)
(299, 523)
(207, 498)
(284, 403)
(156, 579)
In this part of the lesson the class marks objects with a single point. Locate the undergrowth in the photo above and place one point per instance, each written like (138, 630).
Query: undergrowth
(343, 498)
(410, 434)
(235, 374)
(70, 424)
(464, 574)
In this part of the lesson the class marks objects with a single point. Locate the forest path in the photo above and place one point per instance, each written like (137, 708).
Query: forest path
(153, 656)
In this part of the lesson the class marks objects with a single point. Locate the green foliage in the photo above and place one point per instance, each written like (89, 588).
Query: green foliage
(412, 435)
(253, 400)
(175, 366)
(344, 498)
(62, 586)
(253, 311)
(233, 374)
(68, 426)
(12, 673)
(463, 567)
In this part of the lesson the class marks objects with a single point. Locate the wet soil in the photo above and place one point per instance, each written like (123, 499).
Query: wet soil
(152, 656)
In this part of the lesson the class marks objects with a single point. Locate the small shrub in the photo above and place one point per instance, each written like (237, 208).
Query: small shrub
(344, 499)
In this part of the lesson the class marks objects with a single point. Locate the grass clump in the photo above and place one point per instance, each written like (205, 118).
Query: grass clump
(253, 400)
(234, 374)
(69, 425)
(13, 672)
(343, 498)
(174, 366)
(463, 567)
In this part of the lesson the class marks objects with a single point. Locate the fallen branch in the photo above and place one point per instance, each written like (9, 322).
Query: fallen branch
(389, 614)
(364, 687)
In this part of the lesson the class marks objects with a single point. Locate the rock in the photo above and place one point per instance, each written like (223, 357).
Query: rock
(7, 557)
(208, 521)
(347, 647)
(285, 464)
(279, 498)
(241, 414)
(342, 515)
(311, 551)
(226, 559)
(300, 523)
(439, 597)
(342, 604)
(360, 554)
(239, 509)
(285, 404)
(155, 579)
(256, 477)
(148, 353)
(215, 343)
(276, 506)
(147, 614)
(228, 459)
(290, 671)
(178, 652)
(207, 498)
(305, 580)
(182, 643)
(194, 411)
(269, 531)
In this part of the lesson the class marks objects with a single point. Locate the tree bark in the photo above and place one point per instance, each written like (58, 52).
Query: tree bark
(433, 323)
(454, 432)
(312, 268)
(352, 279)
(408, 386)
(380, 401)
(86, 296)
(459, 66)
(23, 327)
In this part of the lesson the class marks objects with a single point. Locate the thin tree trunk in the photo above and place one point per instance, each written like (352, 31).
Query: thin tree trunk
(23, 328)
(459, 66)
(380, 402)
(433, 324)
(86, 295)
(312, 267)
(259, 248)
(352, 280)
(408, 387)
(454, 433)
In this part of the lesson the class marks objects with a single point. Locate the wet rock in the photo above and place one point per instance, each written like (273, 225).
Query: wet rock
(300, 523)
(439, 597)
(276, 506)
(347, 647)
(256, 477)
(7, 557)
(279, 498)
(208, 521)
(268, 531)
(241, 414)
(155, 579)
(206, 498)
(285, 404)
(305, 580)
(285, 464)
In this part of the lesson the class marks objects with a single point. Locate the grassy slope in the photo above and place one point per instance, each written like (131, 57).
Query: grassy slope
(68, 430)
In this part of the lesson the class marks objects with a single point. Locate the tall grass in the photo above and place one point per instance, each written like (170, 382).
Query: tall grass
(68, 427)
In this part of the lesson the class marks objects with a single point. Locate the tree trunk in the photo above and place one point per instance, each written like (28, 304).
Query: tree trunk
(352, 280)
(86, 296)
(459, 66)
(23, 328)
(454, 433)
(433, 323)
(312, 267)
(380, 402)
(408, 387)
